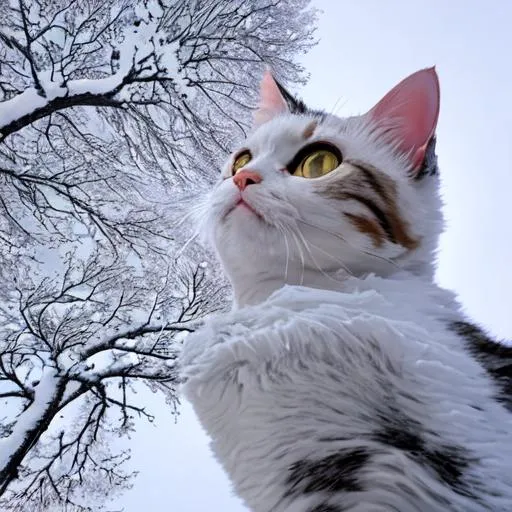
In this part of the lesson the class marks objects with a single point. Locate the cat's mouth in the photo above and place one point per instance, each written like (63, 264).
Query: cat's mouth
(241, 203)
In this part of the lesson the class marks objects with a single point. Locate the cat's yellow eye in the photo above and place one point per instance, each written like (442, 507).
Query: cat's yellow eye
(241, 161)
(318, 163)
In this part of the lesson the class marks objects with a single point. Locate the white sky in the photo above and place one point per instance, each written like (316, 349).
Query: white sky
(366, 47)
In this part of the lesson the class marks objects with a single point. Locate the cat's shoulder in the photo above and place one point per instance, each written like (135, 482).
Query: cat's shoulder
(495, 356)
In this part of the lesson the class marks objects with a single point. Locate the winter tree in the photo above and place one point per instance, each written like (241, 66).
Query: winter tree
(109, 113)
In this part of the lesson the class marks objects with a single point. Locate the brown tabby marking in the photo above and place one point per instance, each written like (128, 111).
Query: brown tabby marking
(309, 130)
(377, 192)
(369, 227)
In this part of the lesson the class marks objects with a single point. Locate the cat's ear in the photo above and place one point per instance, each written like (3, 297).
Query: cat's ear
(272, 102)
(409, 113)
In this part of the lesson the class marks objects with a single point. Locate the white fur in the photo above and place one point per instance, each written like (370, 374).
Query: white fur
(292, 365)
(268, 381)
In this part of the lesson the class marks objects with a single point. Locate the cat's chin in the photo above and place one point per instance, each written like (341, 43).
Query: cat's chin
(245, 207)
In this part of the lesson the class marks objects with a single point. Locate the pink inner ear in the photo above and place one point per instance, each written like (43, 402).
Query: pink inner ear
(410, 110)
(271, 103)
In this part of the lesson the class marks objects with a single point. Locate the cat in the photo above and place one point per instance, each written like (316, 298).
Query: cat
(344, 378)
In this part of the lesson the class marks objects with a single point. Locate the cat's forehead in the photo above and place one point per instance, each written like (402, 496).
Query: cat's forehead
(291, 131)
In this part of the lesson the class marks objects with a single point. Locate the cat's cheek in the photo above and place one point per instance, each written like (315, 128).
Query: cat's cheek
(359, 245)
(387, 250)
(223, 199)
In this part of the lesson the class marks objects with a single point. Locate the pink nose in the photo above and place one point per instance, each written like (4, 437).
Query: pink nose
(245, 178)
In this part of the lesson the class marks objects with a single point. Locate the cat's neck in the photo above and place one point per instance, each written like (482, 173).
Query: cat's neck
(254, 287)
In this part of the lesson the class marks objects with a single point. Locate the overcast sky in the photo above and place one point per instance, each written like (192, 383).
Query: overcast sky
(366, 47)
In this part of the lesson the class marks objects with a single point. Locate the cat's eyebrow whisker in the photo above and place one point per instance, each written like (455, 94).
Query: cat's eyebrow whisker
(336, 235)
(338, 105)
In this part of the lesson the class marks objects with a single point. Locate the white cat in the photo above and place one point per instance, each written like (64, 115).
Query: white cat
(345, 379)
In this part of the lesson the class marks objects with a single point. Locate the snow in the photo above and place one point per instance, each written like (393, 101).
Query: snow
(138, 43)
(26, 421)
(51, 85)
(97, 86)
(152, 9)
(30, 100)
(21, 105)
(169, 60)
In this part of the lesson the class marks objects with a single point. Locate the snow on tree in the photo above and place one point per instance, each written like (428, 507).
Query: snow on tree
(109, 113)
(106, 101)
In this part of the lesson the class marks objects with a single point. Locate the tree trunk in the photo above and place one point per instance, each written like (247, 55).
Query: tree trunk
(30, 425)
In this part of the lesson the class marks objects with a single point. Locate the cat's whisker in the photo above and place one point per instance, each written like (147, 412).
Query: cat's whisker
(180, 252)
(197, 210)
(306, 246)
(185, 217)
(283, 231)
(287, 257)
(301, 253)
(337, 260)
(363, 251)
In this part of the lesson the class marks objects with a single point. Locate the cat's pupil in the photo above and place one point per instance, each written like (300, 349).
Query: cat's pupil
(240, 161)
(319, 163)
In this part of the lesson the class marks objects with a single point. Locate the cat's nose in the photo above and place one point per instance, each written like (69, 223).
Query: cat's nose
(246, 177)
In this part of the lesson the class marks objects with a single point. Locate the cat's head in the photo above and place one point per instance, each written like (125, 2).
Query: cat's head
(310, 194)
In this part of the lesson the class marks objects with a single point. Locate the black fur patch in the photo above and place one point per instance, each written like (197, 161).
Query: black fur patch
(296, 105)
(400, 434)
(338, 472)
(325, 508)
(495, 357)
(429, 165)
(449, 463)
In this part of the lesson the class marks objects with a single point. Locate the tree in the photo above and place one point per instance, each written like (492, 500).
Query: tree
(111, 102)
(80, 343)
(109, 112)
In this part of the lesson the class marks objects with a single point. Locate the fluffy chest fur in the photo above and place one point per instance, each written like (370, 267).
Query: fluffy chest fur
(354, 401)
